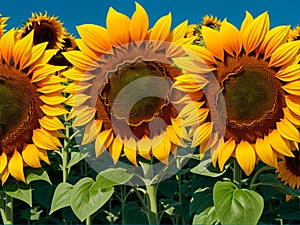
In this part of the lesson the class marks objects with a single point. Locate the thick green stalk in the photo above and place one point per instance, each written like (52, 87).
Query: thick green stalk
(65, 152)
(237, 174)
(152, 204)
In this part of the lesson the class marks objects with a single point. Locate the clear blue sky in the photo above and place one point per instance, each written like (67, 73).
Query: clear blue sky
(79, 12)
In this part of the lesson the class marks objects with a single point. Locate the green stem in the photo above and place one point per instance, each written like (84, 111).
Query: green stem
(65, 153)
(261, 170)
(152, 205)
(88, 220)
(237, 174)
(9, 210)
(140, 198)
(2, 208)
(123, 201)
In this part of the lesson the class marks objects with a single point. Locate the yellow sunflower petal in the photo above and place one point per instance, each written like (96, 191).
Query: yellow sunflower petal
(53, 98)
(161, 147)
(144, 147)
(54, 110)
(292, 102)
(30, 156)
(231, 38)
(77, 75)
(171, 133)
(279, 144)
(87, 50)
(248, 19)
(288, 130)
(161, 29)
(214, 151)
(76, 88)
(290, 73)
(265, 152)
(285, 54)
(274, 38)
(201, 52)
(7, 42)
(15, 166)
(245, 156)
(103, 141)
(180, 31)
(36, 52)
(77, 99)
(292, 117)
(22, 50)
(116, 148)
(92, 130)
(84, 115)
(139, 24)
(44, 140)
(292, 87)
(43, 156)
(201, 134)
(213, 42)
(80, 60)
(4, 175)
(3, 162)
(116, 22)
(51, 123)
(130, 150)
(255, 32)
(225, 152)
(95, 37)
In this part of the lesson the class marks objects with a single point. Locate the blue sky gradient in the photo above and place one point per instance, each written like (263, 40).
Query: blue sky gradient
(79, 12)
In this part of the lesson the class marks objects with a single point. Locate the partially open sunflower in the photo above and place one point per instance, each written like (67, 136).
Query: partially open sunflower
(123, 84)
(30, 103)
(253, 104)
(2, 24)
(46, 29)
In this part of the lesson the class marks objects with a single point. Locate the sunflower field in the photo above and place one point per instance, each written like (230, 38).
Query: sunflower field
(138, 124)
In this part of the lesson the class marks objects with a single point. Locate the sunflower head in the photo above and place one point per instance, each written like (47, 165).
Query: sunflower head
(211, 21)
(289, 170)
(2, 24)
(253, 92)
(46, 29)
(295, 34)
(30, 98)
(123, 76)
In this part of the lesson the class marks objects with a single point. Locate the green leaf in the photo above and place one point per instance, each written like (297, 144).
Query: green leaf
(290, 210)
(133, 214)
(61, 197)
(237, 206)
(206, 168)
(208, 216)
(112, 177)
(34, 174)
(31, 213)
(272, 181)
(19, 190)
(75, 158)
(202, 199)
(87, 198)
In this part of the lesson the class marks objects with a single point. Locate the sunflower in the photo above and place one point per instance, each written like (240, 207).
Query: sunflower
(30, 101)
(295, 34)
(253, 95)
(2, 24)
(46, 29)
(289, 170)
(123, 83)
(195, 30)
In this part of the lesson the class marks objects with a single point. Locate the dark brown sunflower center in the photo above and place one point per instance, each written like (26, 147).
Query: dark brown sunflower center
(137, 93)
(252, 95)
(19, 110)
(293, 164)
(43, 32)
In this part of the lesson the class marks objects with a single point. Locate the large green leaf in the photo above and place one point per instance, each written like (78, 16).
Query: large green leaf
(208, 216)
(290, 210)
(61, 197)
(236, 206)
(272, 181)
(202, 199)
(34, 174)
(206, 168)
(18, 190)
(87, 197)
(113, 176)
